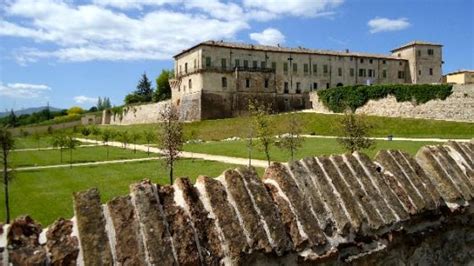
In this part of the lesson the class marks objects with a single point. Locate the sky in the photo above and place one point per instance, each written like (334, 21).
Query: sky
(69, 53)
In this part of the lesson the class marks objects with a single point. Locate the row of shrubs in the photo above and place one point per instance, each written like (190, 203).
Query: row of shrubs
(339, 99)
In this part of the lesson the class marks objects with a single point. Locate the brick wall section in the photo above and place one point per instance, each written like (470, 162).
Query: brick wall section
(459, 106)
(397, 209)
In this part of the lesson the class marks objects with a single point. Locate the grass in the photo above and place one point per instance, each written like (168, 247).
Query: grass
(79, 155)
(320, 124)
(311, 147)
(47, 194)
(30, 143)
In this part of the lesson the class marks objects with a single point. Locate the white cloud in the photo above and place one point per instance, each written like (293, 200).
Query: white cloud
(269, 36)
(306, 8)
(84, 99)
(385, 24)
(23, 90)
(112, 30)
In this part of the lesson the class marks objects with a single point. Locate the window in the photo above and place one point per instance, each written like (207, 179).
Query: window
(418, 53)
(399, 54)
(351, 58)
(401, 74)
(246, 64)
(208, 61)
(190, 85)
(305, 68)
(400, 63)
(285, 67)
(286, 87)
(295, 68)
(195, 65)
(185, 67)
(298, 87)
(371, 73)
(266, 83)
(315, 86)
(223, 63)
(339, 72)
(419, 72)
(371, 61)
(362, 60)
(351, 72)
(325, 69)
(362, 72)
(247, 83)
(254, 64)
(431, 72)
(430, 52)
(315, 68)
(384, 62)
(224, 82)
(384, 73)
(327, 85)
(274, 65)
(263, 64)
(237, 62)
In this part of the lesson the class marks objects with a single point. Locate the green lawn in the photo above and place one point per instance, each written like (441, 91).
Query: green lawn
(79, 155)
(47, 194)
(311, 147)
(30, 143)
(320, 124)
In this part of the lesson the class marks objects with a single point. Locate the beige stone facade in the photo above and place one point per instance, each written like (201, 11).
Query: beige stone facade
(216, 79)
(460, 77)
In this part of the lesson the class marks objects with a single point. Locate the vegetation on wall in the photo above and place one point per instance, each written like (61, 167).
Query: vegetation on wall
(338, 99)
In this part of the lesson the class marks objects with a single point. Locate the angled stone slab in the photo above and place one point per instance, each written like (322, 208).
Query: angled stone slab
(312, 195)
(207, 237)
(153, 226)
(359, 194)
(128, 242)
(305, 221)
(180, 228)
(267, 211)
(409, 182)
(23, 243)
(249, 218)
(382, 183)
(372, 188)
(90, 221)
(466, 156)
(62, 246)
(458, 171)
(434, 170)
(214, 197)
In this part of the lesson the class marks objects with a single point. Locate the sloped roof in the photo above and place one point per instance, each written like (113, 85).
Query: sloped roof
(416, 43)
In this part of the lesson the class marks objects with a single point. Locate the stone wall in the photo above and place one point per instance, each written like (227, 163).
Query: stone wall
(459, 106)
(135, 114)
(333, 210)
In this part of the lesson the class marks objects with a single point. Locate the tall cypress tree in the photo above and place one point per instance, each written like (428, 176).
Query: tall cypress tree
(100, 105)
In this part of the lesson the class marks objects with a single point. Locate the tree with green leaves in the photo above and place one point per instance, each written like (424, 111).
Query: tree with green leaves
(149, 137)
(7, 143)
(95, 131)
(12, 120)
(291, 140)
(100, 105)
(85, 131)
(59, 141)
(144, 88)
(135, 137)
(71, 143)
(125, 138)
(163, 88)
(106, 103)
(355, 131)
(106, 136)
(170, 137)
(261, 122)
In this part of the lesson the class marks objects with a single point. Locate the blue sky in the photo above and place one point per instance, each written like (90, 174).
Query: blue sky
(69, 53)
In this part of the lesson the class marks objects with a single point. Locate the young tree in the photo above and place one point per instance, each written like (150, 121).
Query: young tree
(355, 131)
(261, 122)
(59, 141)
(106, 136)
(134, 137)
(250, 143)
(95, 131)
(71, 144)
(170, 137)
(125, 138)
(144, 88)
(163, 88)
(75, 110)
(85, 131)
(7, 143)
(150, 137)
(292, 140)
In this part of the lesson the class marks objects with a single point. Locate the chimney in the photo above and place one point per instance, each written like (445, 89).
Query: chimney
(347, 51)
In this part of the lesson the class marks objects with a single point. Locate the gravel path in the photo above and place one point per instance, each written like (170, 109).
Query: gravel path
(53, 148)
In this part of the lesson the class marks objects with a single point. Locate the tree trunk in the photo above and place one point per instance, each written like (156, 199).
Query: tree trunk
(5, 180)
(267, 154)
(70, 159)
(292, 154)
(107, 147)
(61, 153)
(171, 172)
(148, 149)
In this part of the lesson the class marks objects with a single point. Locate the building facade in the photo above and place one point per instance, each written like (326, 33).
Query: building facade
(460, 77)
(216, 79)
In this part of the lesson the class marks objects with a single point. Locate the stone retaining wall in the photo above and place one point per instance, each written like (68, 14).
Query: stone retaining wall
(459, 106)
(336, 209)
(135, 114)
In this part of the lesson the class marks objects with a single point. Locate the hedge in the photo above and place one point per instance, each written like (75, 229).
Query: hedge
(338, 99)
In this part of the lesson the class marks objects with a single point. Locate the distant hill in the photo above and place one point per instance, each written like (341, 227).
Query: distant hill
(29, 111)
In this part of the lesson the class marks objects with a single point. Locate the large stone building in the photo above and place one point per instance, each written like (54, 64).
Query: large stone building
(460, 77)
(216, 79)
